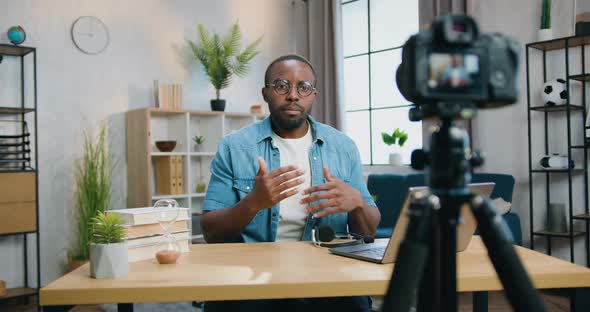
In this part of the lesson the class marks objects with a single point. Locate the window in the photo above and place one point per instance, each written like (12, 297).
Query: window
(374, 32)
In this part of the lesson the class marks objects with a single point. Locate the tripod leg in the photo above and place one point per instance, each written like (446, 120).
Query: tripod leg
(411, 257)
(579, 299)
(448, 220)
(494, 232)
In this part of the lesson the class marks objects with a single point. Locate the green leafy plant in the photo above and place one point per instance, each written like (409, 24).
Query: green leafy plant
(221, 57)
(398, 137)
(201, 187)
(546, 15)
(107, 228)
(199, 139)
(93, 188)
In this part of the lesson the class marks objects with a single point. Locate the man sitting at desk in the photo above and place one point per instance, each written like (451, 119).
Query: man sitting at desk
(277, 179)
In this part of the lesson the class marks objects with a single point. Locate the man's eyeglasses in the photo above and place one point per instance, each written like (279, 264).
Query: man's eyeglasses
(282, 87)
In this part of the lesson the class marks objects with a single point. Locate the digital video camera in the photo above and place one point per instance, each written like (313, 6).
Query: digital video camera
(453, 63)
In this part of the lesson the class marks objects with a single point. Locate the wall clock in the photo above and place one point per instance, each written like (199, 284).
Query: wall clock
(90, 35)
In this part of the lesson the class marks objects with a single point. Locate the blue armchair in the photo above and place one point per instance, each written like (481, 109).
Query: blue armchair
(390, 191)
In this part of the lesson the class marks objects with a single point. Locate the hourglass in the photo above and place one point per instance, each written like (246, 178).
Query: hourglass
(166, 212)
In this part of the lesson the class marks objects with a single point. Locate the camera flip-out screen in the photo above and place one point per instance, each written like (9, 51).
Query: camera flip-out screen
(454, 72)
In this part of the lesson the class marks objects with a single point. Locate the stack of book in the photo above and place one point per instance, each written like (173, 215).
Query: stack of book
(144, 233)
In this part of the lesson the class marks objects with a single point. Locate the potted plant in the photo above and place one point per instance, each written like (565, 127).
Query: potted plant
(93, 192)
(398, 137)
(221, 58)
(201, 185)
(199, 140)
(108, 248)
(545, 33)
(201, 182)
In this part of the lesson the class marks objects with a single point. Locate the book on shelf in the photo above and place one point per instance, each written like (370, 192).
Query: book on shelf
(168, 95)
(169, 175)
(149, 252)
(134, 231)
(179, 175)
(155, 239)
(147, 215)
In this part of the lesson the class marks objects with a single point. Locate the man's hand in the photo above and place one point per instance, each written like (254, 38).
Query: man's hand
(269, 188)
(337, 195)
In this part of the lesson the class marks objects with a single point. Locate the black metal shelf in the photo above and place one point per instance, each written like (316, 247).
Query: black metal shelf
(13, 50)
(560, 43)
(582, 216)
(571, 114)
(18, 292)
(4, 170)
(580, 77)
(15, 110)
(16, 233)
(559, 234)
(556, 108)
(575, 170)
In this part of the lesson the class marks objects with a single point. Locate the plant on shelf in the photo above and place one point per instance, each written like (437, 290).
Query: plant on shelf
(397, 138)
(545, 33)
(199, 140)
(200, 184)
(108, 249)
(221, 58)
(93, 191)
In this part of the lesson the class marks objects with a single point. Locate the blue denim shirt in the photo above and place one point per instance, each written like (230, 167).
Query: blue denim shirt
(235, 165)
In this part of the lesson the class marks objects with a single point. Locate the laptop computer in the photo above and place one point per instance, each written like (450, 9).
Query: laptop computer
(385, 250)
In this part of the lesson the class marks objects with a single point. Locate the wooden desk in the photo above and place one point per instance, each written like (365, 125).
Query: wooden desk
(283, 270)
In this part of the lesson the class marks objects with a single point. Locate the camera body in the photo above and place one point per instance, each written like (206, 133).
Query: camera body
(453, 63)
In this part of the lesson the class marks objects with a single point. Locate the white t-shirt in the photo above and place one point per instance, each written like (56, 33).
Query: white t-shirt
(292, 215)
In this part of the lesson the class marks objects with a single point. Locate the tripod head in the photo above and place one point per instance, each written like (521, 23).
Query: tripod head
(449, 160)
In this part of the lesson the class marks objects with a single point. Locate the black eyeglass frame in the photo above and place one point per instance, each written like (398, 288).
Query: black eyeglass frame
(288, 83)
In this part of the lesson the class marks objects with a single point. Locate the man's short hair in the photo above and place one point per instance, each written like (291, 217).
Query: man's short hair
(287, 57)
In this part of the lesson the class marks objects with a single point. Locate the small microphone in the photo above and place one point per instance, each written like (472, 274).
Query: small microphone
(326, 234)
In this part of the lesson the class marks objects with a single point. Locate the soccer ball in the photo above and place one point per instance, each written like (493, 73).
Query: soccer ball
(554, 92)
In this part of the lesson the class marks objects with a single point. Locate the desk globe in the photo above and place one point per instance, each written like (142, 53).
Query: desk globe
(16, 35)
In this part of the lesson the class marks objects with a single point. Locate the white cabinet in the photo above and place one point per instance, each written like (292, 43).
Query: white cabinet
(148, 125)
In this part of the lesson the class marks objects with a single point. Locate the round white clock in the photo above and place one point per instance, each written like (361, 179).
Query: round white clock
(90, 35)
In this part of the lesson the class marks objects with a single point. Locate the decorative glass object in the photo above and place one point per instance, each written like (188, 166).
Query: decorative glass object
(166, 212)
(201, 185)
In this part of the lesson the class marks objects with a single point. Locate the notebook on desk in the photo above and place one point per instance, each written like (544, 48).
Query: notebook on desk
(385, 250)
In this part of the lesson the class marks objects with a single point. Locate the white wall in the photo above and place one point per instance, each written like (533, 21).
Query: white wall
(76, 91)
(502, 133)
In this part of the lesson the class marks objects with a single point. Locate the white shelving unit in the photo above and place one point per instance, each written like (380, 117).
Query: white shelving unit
(148, 125)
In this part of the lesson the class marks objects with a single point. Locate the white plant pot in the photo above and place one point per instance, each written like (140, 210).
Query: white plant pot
(545, 34)
(109, 260)
(395, 159)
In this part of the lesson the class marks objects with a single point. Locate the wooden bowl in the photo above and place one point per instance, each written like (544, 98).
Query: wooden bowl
(166, 146)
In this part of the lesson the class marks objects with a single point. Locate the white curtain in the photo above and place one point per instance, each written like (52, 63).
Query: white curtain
(318, 37)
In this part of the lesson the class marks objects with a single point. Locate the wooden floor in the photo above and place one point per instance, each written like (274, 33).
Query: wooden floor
(555, 301)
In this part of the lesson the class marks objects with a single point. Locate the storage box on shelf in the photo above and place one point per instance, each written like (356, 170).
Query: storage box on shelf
(147, 125)
(575, 120)
(19, 206)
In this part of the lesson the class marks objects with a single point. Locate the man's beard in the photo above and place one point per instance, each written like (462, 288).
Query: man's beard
(286, 122)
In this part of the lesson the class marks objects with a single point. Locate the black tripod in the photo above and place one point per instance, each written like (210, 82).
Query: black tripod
(426, 262)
